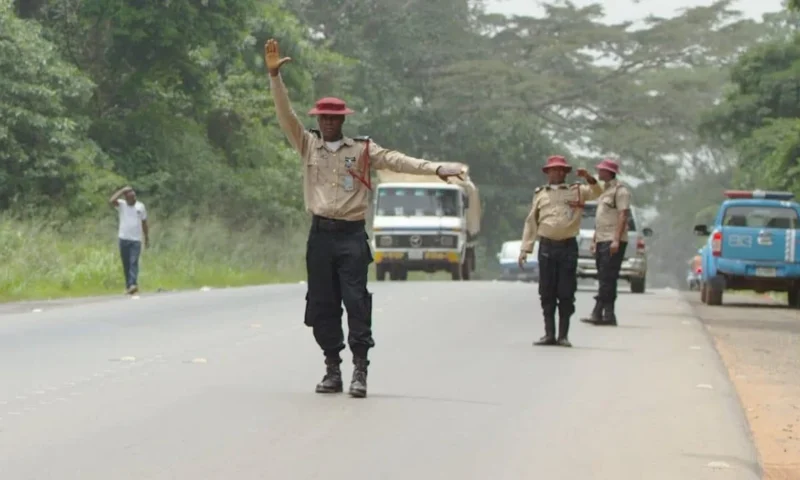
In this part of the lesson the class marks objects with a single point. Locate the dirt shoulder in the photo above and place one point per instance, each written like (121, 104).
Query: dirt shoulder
(759, 341)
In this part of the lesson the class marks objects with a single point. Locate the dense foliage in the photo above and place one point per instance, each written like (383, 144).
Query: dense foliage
(172, 98)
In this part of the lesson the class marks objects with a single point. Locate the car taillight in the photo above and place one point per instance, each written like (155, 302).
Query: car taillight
(716, 244)
(640, 246)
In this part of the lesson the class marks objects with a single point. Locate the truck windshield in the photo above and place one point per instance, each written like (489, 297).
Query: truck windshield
(760, 217)
(402, 202)
(588, 214)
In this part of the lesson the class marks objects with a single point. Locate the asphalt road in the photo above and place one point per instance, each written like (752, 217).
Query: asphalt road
(219, 385)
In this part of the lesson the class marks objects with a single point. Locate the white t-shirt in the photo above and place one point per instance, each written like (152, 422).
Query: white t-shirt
(130, 219)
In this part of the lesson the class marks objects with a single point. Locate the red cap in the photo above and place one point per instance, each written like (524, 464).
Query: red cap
(330, 106)
(556, 161)
(608, 165)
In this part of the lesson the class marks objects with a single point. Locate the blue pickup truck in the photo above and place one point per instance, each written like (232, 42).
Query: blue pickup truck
(752, 245)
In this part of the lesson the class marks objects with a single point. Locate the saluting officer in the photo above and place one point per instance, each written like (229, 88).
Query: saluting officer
(336, 176)
(611, 240)
(554, 221)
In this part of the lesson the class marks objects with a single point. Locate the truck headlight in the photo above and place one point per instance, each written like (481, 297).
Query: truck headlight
(385, 240)
(447, 241)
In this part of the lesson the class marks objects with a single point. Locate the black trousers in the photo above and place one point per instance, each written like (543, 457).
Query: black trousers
(608, 267)
(337, 264)
(558, 281)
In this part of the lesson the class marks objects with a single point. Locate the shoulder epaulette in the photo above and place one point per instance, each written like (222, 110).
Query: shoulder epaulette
(316, 132)
(539, 189)
(361, 138)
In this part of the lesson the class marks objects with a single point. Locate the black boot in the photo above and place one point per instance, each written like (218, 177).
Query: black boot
(332, 381)
(549, 331)
(597, 313)
(609, 317)
(563, 331)
(358, 385)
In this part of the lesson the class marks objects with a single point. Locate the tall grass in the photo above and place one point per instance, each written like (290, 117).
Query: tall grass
(39, 260)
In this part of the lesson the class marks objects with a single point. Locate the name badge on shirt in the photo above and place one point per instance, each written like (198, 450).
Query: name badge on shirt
(348, 183)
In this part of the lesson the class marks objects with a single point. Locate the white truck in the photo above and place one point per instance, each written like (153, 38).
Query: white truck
(421, 223)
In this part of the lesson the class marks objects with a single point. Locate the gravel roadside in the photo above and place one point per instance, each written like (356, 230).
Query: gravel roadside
(759, 341)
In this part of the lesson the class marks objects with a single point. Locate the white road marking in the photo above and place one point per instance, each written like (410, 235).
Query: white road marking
(37, 310)
(694, 347)
(718, 465)
(705, 385)
(199, 360)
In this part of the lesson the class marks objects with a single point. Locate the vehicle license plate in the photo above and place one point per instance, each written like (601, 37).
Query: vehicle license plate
(765, 272)
(415, 255)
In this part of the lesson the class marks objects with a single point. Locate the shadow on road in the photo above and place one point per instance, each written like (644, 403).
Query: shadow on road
(389, 396)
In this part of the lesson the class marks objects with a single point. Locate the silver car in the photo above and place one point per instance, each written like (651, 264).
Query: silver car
(634, 266)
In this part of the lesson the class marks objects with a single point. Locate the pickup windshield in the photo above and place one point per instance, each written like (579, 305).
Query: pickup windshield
(402, 202)
(589, 212)
(760, 217)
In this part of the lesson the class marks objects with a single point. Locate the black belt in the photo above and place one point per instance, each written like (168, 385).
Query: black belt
(564, 242)
(322, 224)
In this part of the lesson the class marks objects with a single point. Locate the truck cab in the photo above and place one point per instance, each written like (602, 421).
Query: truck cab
(752, 245)
(422, 226)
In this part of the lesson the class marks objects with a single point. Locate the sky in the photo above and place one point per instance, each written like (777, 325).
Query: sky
(625, 10)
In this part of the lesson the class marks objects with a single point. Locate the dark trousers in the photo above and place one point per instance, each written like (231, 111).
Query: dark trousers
(558, 281)
(129, 251)
(337, 263)
(608, 267)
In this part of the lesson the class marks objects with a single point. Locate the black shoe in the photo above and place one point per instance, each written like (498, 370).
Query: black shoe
(563, 342)
(609, 317)
(358, 385)
(546, 340)
(332, 381)
(597, 314)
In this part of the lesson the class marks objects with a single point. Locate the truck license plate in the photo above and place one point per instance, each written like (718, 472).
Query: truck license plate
(415, 255)
(765, 272)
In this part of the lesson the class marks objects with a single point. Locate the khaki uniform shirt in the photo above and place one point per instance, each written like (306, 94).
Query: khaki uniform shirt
(551, 217)
(615, 198)
(330, 191)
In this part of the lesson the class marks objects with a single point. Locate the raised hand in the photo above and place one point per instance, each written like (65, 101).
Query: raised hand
(272, 57)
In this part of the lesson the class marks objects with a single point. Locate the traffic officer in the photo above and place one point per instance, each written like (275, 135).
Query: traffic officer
(554, 221)
(336, 174)
(611, 240)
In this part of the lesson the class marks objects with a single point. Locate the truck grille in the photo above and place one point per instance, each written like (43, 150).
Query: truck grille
(416, 241)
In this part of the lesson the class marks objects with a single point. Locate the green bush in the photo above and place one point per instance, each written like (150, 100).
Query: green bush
(42, 260)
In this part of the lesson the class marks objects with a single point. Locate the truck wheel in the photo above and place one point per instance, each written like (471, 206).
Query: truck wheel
(704, 293)
(380, 273)
(638, 285)
(455, 273)
(794, 298)
(466, 268)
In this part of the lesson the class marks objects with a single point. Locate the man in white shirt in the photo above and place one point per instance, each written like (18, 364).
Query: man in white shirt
(133, 231)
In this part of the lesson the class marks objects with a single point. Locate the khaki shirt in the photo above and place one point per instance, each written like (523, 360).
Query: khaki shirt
(329, 189)
(551, 217)
(615, 198)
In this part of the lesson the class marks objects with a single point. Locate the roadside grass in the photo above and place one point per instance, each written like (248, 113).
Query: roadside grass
(41, 261)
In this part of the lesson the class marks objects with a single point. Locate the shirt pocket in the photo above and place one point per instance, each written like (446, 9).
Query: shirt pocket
(608, 201)
(314, 166)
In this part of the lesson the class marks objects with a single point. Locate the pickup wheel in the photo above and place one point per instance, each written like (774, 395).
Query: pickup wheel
(714, 295)
(638, 285)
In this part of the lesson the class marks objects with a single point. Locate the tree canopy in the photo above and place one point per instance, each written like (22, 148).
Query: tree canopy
(172, 97)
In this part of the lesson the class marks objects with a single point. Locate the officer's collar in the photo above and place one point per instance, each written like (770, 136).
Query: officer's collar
(557, 186)
(345, 141)
(610, 183)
